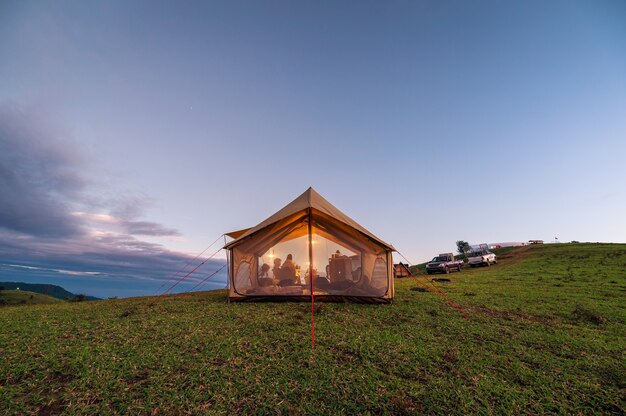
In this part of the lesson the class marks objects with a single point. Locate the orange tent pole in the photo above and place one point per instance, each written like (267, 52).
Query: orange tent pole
(311, 279)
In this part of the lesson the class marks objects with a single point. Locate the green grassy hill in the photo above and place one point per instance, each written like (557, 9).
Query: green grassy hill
(23, 297)
(546, 334)
(44, 289)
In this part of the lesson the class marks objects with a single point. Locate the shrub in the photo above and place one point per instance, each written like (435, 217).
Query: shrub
(78, 298)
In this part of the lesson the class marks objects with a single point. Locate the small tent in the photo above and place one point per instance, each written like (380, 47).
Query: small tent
(309, 249)
(401, 270)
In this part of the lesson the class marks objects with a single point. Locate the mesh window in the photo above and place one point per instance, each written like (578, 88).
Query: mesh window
(278, 258)
(336, 267)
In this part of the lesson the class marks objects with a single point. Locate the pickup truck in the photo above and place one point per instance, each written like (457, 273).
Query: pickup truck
(481, 255)
(443, 263)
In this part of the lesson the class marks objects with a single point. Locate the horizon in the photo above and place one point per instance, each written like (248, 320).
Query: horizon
(213, 285)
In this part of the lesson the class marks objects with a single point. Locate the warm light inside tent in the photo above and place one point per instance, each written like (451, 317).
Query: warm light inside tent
(313, 248)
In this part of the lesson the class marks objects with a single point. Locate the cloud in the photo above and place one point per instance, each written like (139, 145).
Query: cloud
(54, 220)
(62, 271)
(124, 216)
(148, 228)
(44, 183)
(38, 176)
(127, 226)
(107, 255)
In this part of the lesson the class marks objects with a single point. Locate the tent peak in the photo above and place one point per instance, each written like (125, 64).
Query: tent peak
(310, 194)
(310, 199)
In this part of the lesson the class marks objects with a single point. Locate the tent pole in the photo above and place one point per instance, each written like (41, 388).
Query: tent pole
(230, 272)
(311, 279)
(227, 270)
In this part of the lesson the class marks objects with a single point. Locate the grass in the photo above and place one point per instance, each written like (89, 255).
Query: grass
(547, 334)
(23, 297)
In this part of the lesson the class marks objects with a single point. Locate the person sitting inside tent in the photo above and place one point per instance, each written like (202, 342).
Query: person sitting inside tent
(287, 273)
(264, 277)
(276, 268)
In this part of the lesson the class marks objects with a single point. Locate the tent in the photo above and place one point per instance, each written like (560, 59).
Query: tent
(309, 249)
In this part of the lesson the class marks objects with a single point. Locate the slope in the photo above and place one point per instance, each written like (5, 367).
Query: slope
(546, 335)
(45, 289)
(23, 297)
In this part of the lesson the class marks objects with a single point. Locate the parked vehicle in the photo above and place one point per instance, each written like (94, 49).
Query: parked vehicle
(481, 256)
(443, 263)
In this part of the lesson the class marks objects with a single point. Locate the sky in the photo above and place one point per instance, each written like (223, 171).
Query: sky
(134, 134)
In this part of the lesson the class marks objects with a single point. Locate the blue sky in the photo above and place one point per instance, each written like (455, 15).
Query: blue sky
(132, 134)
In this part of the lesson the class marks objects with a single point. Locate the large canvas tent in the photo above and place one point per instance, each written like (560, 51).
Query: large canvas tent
(309, 248)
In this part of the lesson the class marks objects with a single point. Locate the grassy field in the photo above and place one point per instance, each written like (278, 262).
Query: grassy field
(23, 297)
(546, 334)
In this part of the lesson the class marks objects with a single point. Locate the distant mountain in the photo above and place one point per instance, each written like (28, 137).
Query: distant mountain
(50, 290)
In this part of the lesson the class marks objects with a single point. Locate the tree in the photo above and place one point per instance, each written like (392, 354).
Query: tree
(78, 298)
(462, 246)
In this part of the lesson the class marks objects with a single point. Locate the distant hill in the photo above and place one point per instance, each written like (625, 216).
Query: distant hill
(23, 297)
(44, 289)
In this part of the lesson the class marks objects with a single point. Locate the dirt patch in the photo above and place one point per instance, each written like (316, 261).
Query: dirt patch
(451, 356)
(218, 362)
(345, 355)
(54, 407)
(441, 280)
(419, 289)
(137, 378)
(515, 256)
(60, 377)
(195, 350)
(126, 314)
(405, 406)
(585, 315)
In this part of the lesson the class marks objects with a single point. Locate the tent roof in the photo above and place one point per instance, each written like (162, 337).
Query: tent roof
(309, 199)
(237, 234)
